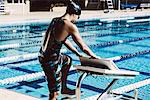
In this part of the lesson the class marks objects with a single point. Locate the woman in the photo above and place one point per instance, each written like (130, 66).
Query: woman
(56, 65)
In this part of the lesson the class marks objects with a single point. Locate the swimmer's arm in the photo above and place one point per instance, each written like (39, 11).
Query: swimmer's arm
(69, 45)
(79, 41)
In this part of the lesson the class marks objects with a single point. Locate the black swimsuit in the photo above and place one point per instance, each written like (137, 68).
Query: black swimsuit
(50, 49)
(49, 55)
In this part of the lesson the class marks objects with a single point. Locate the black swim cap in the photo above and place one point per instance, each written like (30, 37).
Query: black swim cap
(73, 8)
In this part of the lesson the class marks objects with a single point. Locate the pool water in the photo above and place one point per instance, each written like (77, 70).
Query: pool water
(101, 36)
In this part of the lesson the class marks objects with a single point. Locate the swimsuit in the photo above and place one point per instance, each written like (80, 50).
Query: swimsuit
(49, 55)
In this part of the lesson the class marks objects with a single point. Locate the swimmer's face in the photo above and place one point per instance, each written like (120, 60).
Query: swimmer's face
(75, 17)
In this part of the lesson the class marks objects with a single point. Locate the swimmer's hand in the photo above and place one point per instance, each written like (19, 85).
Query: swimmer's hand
(96, 57)
(79, 55)
(114, 58)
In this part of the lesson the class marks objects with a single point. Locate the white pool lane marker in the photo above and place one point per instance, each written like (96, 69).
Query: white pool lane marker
(22, 78)
(130, 87)
(124, 89)
(138, 20)
(23, 57)
(40, 74)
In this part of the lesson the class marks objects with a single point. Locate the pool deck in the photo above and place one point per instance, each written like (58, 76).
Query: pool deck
(58, 11)
(6, 94)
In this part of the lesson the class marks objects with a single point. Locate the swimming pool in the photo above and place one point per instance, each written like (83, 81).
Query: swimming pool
(20, 43)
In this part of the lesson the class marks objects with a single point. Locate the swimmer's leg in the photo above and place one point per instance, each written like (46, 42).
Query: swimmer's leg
(67, 61)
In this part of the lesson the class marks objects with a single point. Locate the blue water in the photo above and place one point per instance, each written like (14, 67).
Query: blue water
(94, 33)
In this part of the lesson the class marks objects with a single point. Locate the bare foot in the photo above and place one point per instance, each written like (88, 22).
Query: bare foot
(68, 91)
(53, 96)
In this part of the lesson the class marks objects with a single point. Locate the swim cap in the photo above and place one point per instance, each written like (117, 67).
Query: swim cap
(73, 8)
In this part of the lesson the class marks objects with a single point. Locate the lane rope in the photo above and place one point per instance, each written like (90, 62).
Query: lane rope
(40, 74)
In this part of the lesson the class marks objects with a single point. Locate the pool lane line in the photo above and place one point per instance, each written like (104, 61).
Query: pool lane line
(22, 57)
(115, 58)
(25, 28)
(40, 74)
(22, 78)
(6, 37)
(106, 44)
(29, 56)
(115, 33)
(112, 43)
(132, 35)
(10, 31)
(20, 45)
(32, 43)
(92, 23)
(138, 20)
(126, 56)
(21, 61)
(34, 56)
(120, 26)
(116, 19)
(19, 57)
(19, 35)
(113, 27)
(22, 28)
(123, 90)
(130, 87)
(30, 76)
